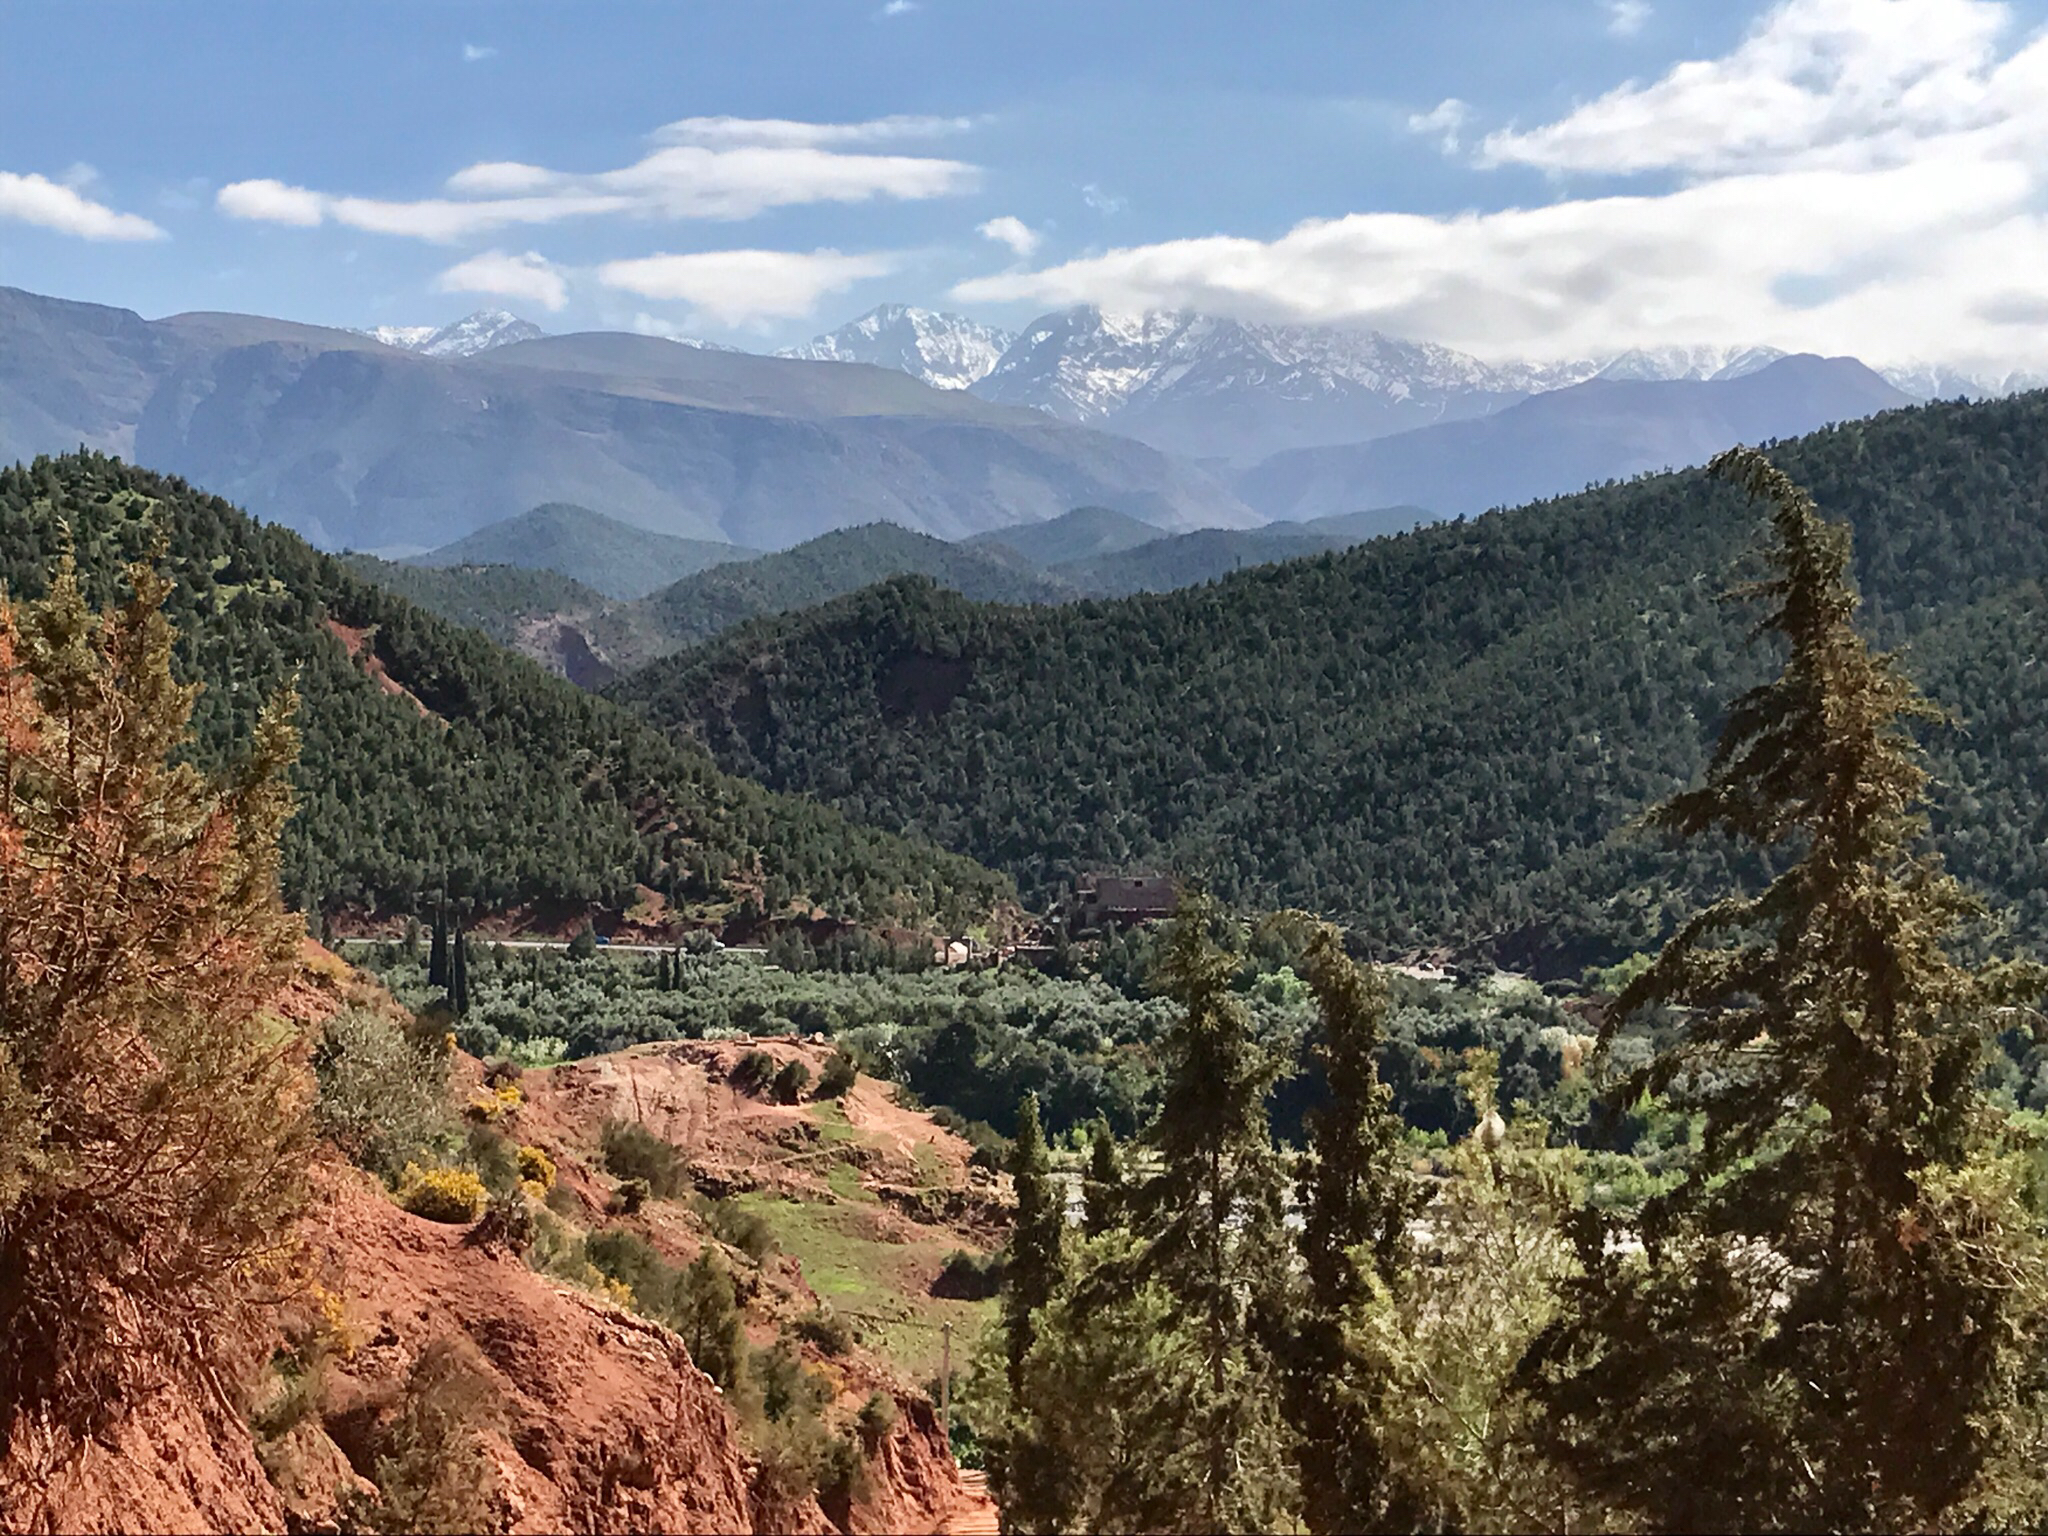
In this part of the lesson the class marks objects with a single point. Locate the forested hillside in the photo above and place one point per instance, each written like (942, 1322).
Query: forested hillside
(1443, 736)
(434, 760)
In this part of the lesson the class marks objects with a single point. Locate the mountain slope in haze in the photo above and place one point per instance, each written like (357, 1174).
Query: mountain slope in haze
(832, 565)
(1443, 737)
(1077, 535)
(435, 761)
(357, 444)
(599, 552)
(1556, 443)
(944, 351)
(1188, 559)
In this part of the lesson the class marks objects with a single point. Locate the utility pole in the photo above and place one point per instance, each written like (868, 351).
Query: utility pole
(946, 1386)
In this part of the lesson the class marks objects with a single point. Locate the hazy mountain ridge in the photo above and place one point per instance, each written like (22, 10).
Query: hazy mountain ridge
(361, 445)
(599, 552)
(1556, 443)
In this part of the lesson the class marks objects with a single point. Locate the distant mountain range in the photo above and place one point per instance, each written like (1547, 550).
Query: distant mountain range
(480, 332)
(944, 351)
(553, 601)
(358, 444)
(1556, 443)
(401, 441)
(599, 552)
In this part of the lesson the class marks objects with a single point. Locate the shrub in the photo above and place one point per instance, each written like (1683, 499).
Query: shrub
(830, 1332)
(494, 1158)
(745, 1230)
(791, 1081)
(631, 1151)
(383, 1098)
(629, 1197)
(876, 1418)
(839, 1075)
(971, 1276)
(431, 1470)
(536, 1167)
(755, 1073)
(442, 1194)
(707, 1316)
(502, 1071)
(510, 1221)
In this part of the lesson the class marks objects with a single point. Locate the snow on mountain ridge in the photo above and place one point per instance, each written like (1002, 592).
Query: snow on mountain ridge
(945, 351)
(480, 332)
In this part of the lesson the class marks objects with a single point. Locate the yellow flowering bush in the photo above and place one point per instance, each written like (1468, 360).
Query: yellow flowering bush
(536, 1167)
(442, 1194)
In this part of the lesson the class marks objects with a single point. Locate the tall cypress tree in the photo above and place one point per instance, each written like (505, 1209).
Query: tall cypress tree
(1102, 1190)
(1213, 1219)
(1358, 1198)
(1826, 1324)
(1035, 1240)
(437, 952)
(458, 972)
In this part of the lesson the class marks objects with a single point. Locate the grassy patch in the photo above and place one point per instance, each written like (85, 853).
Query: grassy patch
(879, 1286)
(832, 1122)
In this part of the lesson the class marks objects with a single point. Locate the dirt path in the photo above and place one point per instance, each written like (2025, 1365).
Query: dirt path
(975, 1514)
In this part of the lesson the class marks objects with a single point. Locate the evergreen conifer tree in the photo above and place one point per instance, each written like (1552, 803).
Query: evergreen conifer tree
(153, 1107)
(1358, 1198)
(458, 971)
(437, 951)
(1213, 1221)
(1829, 1321)
(1102, 1191)
(1035, 1239)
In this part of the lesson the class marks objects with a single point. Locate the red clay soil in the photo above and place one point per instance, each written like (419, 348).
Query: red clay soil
(683, 1092)
(603, 1423)
(606, 1423)
(356, 643)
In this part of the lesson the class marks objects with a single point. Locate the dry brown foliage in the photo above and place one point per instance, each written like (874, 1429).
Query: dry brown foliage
(153, 1111)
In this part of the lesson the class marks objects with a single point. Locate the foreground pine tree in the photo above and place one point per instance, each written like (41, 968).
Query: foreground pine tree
(1357, 1197)
(1830, 1322)
(153, 1118)
(1212, 1217)
(1034, 1265)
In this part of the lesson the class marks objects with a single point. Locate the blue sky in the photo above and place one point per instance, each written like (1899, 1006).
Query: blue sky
(1513, 177)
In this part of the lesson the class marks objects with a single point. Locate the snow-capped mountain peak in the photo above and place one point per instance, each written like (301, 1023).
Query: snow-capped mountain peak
(945, 351)
(480, 332)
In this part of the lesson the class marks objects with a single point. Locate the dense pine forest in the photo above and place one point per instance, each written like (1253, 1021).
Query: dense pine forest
(435, 763)
(1443, 737)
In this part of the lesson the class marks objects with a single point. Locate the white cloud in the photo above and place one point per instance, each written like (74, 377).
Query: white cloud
(530, 276)
(781, 133)
(1008, 230)
(79, 175)
(706, 168)
(1445, 119)
(37, 200)
(737, 288)
(473, 53)
(1856, 83)
(1866, 176)
(1625, 18)
(1101, 201)
(271, 202)
(899, 8)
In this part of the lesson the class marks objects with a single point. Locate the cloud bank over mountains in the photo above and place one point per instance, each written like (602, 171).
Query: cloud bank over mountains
(1858, 176)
